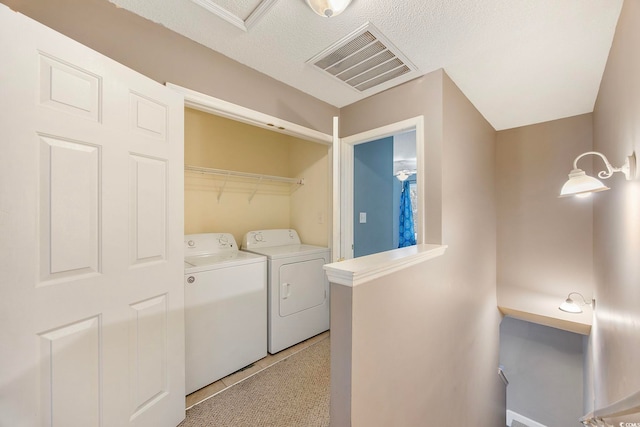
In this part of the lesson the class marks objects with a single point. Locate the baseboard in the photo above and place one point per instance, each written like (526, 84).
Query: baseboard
(514, 416)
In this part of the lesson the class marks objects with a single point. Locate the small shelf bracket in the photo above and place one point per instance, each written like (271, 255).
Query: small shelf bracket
(255, 189)
(224, 184)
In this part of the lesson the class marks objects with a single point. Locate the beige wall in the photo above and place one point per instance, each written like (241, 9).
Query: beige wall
(429, 334)
(216, 142)
(165, 56)
(616, 119)
(469, 228)
(544, 242)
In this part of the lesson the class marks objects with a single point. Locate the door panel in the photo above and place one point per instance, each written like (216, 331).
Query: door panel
(71, 363)
(70, 89)
(149, 344)
(69, 238)
(91, 185)
(148, 116)
(148, 208)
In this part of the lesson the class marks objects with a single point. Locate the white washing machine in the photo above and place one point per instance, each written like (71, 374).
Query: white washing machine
(298, 289)
(225, 308)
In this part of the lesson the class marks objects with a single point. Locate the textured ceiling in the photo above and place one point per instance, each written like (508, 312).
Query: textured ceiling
(518, 61)
(240, 8)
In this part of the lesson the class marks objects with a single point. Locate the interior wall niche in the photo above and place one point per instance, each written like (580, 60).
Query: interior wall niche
(219, 203)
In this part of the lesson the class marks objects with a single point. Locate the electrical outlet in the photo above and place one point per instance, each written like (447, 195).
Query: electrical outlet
(363, 217)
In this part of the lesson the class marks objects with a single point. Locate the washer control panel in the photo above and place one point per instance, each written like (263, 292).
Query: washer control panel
(208, 243)
(223, 241)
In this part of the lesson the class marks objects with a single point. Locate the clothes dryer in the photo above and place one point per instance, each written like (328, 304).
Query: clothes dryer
(297, 287)
(225, 308)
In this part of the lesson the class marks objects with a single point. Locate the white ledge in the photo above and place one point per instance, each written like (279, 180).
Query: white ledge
(356, 271)
(537, 307)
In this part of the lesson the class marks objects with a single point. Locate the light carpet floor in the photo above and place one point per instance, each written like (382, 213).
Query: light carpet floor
(292, 393)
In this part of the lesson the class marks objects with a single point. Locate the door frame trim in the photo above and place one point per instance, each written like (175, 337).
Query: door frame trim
(219, 107)
(212, 105)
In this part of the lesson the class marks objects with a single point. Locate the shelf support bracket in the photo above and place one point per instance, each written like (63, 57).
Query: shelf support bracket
(255, 189)
(224, 184)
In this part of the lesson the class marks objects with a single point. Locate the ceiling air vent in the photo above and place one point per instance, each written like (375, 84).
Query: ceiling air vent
(364, 60)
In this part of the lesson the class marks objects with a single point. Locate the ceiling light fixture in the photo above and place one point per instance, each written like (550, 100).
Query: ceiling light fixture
(580, 184)
(404, 174)
(570, 306)
(328, 8)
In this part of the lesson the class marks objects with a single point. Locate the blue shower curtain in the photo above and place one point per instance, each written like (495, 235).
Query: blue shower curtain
(406, 230)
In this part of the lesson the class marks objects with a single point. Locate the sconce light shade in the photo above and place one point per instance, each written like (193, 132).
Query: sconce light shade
(581, 184)
(570, 306)
(328, 8)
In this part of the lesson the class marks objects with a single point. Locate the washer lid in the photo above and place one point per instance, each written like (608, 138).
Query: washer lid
(196, 264)
(286, 251)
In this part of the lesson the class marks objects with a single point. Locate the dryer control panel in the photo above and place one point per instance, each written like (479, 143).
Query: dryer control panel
(267, 238)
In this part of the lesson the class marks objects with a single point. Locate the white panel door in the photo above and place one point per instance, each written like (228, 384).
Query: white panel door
(91, 230)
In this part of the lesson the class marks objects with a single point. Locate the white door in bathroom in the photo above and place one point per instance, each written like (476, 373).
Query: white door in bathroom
(91, 224)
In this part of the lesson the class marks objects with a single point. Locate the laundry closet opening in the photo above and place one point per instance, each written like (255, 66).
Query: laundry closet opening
(232, 203)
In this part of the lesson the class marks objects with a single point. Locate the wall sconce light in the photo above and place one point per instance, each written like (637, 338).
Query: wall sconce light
(580, 184)
(570, 306)
(328, 8)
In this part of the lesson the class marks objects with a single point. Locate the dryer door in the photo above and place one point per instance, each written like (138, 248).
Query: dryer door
(302, 286)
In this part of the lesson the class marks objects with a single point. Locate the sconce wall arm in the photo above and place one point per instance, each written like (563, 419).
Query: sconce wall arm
(628, 168)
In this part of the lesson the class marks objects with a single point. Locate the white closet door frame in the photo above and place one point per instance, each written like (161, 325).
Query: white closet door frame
(219, 107)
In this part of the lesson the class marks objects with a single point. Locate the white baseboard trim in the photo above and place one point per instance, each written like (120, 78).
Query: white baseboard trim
(514, 416)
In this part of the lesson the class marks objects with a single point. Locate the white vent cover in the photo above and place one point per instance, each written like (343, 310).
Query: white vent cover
(364, 59)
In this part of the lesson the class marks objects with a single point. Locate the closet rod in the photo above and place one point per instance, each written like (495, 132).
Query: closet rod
(212, 171)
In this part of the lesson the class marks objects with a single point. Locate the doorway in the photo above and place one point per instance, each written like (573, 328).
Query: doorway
(350, 216)
(381, 168)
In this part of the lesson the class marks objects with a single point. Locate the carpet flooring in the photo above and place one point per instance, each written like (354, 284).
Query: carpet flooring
(292, 393)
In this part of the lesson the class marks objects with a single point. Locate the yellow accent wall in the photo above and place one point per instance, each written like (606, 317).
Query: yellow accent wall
(214, 203)
(309, 210)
